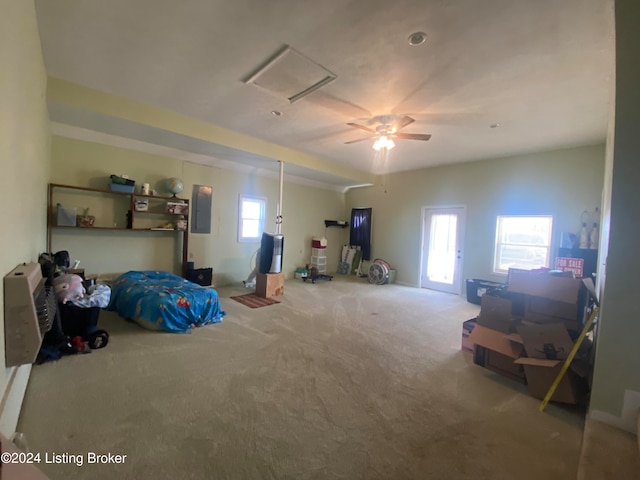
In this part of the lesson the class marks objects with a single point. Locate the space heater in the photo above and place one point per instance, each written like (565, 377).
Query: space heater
(29, 310)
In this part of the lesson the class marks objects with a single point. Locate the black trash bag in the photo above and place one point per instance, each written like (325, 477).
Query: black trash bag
(48, 268)
(62, 259)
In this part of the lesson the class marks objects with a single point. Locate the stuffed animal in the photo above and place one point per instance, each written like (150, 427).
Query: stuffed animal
(68, 287)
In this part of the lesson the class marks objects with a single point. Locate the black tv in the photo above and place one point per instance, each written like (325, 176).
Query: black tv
(271, 248)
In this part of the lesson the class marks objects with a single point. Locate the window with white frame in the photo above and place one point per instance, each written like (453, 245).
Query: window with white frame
(522, 242)
(251, 213)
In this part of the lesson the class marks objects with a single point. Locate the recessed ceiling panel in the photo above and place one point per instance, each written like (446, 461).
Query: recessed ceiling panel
(291, 75)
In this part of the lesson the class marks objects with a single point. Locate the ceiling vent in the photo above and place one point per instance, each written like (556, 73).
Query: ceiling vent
(291, 75)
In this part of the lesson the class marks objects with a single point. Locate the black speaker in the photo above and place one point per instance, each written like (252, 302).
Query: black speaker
(201, 276)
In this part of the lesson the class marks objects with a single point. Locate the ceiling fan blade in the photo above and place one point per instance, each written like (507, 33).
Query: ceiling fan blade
(403, 122)
(358, 140)
(413, 136)
(361, 127)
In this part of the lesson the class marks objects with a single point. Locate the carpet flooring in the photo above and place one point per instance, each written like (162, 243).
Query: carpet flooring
(341, 380)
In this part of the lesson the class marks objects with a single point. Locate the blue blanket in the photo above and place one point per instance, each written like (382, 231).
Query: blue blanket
(164, 301)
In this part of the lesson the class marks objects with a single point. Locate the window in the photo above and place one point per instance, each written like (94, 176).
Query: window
(251, 218)
(522, 242)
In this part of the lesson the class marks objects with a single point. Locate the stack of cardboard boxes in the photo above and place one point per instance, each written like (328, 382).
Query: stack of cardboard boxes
(525, 332)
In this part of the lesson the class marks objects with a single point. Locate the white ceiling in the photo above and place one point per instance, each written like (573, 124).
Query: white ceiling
(541, 69)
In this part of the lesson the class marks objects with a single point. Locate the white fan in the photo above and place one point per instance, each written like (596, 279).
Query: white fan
(379, 272)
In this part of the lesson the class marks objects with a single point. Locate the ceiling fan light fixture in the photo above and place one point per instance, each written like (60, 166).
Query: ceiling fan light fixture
(383, 134)
(383, 143)
(390, 144)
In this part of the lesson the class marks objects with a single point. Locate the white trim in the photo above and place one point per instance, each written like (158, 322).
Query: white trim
(13, 398)
(628, 425)
(630, 417)
(263, 213)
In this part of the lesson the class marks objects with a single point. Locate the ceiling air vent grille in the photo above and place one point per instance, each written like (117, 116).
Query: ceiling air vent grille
(291, 75)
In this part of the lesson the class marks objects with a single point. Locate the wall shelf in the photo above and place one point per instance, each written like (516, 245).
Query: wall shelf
(336, 223)
(138, 220)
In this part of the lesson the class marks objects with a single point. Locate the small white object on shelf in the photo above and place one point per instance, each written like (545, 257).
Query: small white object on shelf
(142, 205)
(584, 237)
(594, 237)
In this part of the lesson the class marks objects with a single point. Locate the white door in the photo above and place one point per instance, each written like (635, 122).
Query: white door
(442, 238)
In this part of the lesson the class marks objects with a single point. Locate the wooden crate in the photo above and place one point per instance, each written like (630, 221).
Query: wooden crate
(269, 284)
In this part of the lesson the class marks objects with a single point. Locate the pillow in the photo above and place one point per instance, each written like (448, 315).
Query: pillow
(68, 287)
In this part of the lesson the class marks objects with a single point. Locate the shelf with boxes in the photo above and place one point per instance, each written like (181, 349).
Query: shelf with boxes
(87, 209)
(159, 213)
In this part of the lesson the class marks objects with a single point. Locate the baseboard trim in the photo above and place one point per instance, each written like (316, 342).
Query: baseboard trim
(626, 424)
(12, 399)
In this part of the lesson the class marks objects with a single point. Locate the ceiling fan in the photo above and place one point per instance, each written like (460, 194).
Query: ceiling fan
(387, 131)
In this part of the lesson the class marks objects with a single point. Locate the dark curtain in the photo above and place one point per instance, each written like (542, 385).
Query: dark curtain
(360, 231)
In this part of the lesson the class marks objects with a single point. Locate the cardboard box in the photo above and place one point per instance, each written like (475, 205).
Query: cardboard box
(543, 319)
(540, 375)
(550, 299)
(269, 284)
(546, 347)
(467, 328)
(495, 313)
(498, 363)
(541, 284)
(76, 271)
(497, 352)
(546, 342)
(552, 308)
(178, 208)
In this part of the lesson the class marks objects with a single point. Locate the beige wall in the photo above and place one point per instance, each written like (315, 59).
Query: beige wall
(617, 359)
(562, 183)
(24, 146)
(106, 252)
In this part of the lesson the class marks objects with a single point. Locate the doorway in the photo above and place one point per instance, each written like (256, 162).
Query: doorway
(442, 247)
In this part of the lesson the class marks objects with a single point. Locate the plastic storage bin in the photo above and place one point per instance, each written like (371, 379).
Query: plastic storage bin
(67, 217)
(320, 268)
(318, 260)
(116, 187)
(122, 180)
(476, 288)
